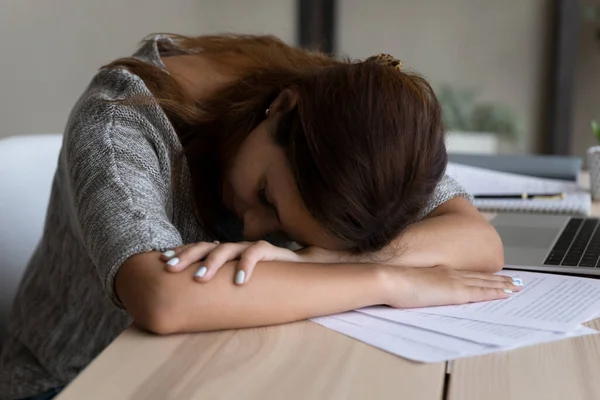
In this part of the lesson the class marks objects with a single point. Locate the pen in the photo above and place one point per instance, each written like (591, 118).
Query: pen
(523, 196)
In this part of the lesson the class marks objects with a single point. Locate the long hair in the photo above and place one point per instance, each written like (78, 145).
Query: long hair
(365, 141)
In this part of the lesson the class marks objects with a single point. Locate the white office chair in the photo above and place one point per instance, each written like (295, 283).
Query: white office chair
(27, 166)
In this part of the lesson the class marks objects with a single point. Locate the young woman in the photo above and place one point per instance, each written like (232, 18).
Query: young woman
(175, 156)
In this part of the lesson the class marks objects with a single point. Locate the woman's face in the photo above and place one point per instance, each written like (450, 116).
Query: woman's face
(259, 187)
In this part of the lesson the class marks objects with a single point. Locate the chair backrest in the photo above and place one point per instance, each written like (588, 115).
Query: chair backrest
(27, 166)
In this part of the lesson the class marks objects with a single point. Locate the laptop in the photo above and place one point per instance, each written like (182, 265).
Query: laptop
(550, 243)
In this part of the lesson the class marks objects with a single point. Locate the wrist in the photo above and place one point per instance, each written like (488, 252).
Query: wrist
(385, 280)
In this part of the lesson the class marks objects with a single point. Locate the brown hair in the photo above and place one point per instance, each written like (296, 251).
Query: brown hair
(365, 141)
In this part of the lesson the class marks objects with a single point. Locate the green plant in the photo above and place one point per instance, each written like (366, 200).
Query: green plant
(596, 130)
(461, 112)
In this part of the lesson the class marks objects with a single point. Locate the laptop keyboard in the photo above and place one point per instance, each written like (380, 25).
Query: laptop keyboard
(578, 245)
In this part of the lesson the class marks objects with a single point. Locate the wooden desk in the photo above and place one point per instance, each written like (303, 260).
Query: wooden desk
(306, 361)
(564, 370)
(296, 361)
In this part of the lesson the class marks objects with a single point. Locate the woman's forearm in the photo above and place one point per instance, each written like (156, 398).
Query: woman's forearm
(455, 235)
(453, 240)
(279, 292)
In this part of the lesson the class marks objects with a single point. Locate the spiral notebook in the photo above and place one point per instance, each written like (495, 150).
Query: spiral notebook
(483, 181)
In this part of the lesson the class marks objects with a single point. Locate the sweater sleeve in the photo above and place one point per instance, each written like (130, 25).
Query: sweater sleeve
(447, 189)
(119, 189)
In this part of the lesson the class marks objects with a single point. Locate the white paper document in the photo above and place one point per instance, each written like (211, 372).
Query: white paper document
(477, 180)
(484, 181)
(548, 308)
(415, 343)
(547, 302)
(406, 341)
(477, 331)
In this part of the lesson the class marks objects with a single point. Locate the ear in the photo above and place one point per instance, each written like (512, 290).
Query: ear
(285, 101)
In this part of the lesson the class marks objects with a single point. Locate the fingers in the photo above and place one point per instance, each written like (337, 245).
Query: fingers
(246, 266)
(483, 286)
(485, 289)
(215, 255)
(492, 277)
(219, 255)
(179, 259)
(485, 275)
(170, 253)
(478, 293)
(259, 251)
(506, 284)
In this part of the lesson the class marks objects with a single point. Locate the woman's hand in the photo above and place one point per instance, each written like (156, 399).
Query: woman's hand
(437, 286)
(216, 254)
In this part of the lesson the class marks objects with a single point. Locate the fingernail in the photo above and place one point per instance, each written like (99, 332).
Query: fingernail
(216, 242)
(201, 272)
(517, 281)
(169, 253)
(239, 277)
(173, 261)
(507, 291)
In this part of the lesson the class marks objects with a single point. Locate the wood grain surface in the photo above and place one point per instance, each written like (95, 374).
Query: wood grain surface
(563, 370)
(294, 361)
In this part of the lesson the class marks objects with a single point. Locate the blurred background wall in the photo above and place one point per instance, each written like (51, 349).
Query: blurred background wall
(501, 49)
(586, 96)
(51, 49)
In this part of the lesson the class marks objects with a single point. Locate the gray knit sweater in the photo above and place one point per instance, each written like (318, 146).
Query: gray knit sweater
(113, 196)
